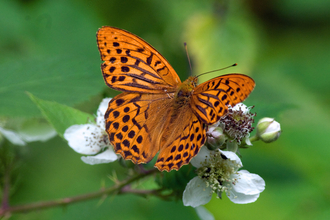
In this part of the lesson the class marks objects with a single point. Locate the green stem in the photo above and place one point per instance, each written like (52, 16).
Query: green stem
(6, 189)
(66, 201)
(254, 138)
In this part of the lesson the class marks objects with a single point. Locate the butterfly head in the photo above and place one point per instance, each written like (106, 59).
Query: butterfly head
(191, 82)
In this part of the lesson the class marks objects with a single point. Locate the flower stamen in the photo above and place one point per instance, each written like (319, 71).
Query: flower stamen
(217, 170)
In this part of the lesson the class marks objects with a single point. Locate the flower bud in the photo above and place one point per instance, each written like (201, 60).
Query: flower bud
(215, 139)
(268, 130)
(232, 146)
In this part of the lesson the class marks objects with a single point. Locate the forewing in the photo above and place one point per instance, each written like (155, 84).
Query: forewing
(210, 99)
(133, 65)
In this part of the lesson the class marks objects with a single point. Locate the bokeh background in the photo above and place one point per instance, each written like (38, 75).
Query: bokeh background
(48, 48)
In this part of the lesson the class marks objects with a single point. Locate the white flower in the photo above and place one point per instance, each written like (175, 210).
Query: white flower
(86, 138)
(91, 139)
(217, 173)
(27, 130)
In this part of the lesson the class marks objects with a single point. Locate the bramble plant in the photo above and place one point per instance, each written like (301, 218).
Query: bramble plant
(215, 169)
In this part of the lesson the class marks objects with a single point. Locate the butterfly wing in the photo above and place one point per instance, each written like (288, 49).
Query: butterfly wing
(133, 65)
(134, 123)
(140, 125)
(210, 99)
(182, 141)
(143, 120)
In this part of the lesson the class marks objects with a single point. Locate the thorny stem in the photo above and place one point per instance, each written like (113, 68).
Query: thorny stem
(64, 201)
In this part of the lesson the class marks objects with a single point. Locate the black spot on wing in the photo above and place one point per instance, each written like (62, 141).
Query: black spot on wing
(123, 59)
(112, 69)
(149, 59)
(135, 149)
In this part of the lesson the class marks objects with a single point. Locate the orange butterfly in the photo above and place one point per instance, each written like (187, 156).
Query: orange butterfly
(156, 111)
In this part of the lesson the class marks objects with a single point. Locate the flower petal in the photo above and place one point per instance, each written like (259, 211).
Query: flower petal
(233, 157)
(101, 111)
(203, 213)
(241, 198)
(242, 107)
(203, 154)
(247, 140)
(12, 136)
(273, 127)
(247, 187)
(248, 183)
(85, 139)
(104, 157)
(196, 193)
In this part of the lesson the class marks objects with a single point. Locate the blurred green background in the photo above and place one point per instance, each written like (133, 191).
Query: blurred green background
(49, 48)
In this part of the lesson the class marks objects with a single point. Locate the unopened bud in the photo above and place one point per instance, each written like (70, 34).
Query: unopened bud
(215, 139)
(268, 130)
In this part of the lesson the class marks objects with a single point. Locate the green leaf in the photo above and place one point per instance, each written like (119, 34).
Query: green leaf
(68, 81)
(52, 55)
(61, 116)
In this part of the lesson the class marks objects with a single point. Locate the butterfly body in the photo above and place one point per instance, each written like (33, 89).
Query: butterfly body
(184, 91)
(156, 111)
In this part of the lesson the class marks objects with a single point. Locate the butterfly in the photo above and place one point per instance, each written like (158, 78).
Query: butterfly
(156, 111)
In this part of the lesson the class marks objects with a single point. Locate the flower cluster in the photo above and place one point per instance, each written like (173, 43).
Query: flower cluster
(217, 170)
(232, 129)
(217, 173)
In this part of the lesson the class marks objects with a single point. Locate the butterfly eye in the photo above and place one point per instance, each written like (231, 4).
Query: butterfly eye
(180, 93)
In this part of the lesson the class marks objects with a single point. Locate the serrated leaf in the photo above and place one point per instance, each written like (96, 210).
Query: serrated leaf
(61, 116)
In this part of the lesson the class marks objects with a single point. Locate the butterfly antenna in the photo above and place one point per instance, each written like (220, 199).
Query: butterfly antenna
(235, 64)
(185, 46)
